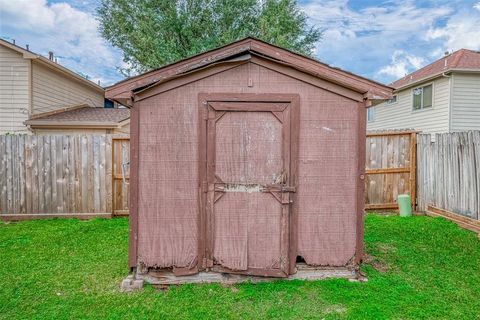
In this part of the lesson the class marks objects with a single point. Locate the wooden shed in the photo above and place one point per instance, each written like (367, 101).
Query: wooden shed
(246, 160)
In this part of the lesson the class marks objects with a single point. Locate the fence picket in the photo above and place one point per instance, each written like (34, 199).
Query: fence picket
(449, 172)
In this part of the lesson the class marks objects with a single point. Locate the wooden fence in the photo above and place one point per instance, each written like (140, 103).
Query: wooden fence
(449, 172)
(86, 173)
(62, 174)
(390, 168)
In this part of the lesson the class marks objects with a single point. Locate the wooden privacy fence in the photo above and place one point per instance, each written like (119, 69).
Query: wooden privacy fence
(390, 168)
(449, 172)
(60, 174)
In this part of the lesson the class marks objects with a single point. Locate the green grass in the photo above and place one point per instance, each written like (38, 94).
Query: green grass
(417, 268)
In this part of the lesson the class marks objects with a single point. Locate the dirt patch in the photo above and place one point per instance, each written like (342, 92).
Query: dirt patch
(386, 248)
(375, 263)
(336, 309)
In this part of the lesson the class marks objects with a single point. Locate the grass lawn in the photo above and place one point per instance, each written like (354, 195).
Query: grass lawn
(417, 268)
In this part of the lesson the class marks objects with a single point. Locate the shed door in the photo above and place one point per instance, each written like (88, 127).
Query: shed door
(249, 188)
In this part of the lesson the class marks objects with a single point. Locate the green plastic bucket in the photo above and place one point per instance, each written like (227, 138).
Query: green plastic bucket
(404, 205)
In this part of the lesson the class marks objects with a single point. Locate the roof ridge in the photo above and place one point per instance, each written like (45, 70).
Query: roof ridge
(459, 54)
(60, 110)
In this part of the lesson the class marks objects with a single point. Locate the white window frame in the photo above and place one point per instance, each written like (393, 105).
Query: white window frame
(422, 108)
(389, 102)
(373, 114)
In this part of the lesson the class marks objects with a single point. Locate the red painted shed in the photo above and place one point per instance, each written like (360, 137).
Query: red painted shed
(247, 159)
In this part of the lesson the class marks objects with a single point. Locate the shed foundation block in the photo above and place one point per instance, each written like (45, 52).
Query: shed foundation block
(131, 283)
(166, 277)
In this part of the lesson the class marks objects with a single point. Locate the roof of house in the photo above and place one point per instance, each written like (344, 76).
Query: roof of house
(462, 59)
(51, 64)
(122, 91)
(82, 116)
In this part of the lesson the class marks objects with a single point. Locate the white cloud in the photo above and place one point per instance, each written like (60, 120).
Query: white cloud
(401, 64)
(365, 37)
(71, 33)
(462, 30)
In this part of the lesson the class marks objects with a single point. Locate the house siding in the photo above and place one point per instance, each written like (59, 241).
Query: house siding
(465, 102)
(52, 90)
(14, 91)
(399, 115)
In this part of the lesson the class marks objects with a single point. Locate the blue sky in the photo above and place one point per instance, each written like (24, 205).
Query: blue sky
(381, 40)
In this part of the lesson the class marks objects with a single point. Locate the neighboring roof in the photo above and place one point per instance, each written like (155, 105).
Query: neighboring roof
(463, 60)
(49, 63)
(122, 91)
(82, 116)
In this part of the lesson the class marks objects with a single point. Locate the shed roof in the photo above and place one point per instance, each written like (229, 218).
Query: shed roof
(81, 116)
(122, 91)
(463, 60)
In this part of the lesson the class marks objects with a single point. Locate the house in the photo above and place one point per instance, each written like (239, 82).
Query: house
(34, 87)
(246, 160)
(443, 96)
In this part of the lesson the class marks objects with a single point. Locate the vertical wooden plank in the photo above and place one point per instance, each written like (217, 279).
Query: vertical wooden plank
(3, 175)
(476, 153)
(134, 160)
(14, 182)
(96, 173)
(59, 173)
(65, 173)
(47, 143)
(84, 176)
(413, 169)
(41, 174)
(53, 173)
(9, 179)
(21, 178)
(108, 174)
(91, 164)
(360, 187)
(102, 174)
(71, 174)
(78, 172)
(35, 174)
(28, 175)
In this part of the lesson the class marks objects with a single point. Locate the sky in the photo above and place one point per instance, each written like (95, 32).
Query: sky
(381, 40)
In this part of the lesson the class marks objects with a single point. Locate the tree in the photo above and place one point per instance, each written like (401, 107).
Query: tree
(152, 33)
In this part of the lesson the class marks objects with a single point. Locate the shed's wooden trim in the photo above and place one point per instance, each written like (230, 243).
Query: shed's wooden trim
(181, 80)
(196, 61)
(306, 76)
(305, 64)
(211, 103)
(360, 205)
(134, 162)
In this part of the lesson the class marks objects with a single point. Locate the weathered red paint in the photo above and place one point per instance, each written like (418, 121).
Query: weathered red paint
(189, 140)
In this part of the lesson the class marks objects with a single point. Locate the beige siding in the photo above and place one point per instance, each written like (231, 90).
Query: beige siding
(53, 90)
(400, 115)
(14, 91)
(465, 102)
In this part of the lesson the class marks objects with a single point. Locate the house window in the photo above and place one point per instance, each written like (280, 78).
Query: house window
(422, 97)
(370, 114)
(393, 100)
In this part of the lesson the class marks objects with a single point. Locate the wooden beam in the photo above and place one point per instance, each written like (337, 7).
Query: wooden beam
(389, 133)
(37, 216)
(387, 170)
(121, 213)
(413, 170)
(381, 206)
(434, 211)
